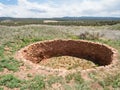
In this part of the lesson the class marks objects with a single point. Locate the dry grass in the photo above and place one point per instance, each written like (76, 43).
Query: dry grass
(67, 62)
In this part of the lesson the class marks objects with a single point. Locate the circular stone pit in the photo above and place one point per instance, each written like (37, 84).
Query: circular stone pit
(100, 54)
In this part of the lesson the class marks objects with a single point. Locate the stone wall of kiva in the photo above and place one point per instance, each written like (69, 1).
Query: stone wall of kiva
(98, 53)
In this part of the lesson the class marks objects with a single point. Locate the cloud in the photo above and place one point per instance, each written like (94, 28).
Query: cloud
(56, 8)
(37, 11)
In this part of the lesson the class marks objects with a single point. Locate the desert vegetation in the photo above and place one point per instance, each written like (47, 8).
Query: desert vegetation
(60, 21)
(16, 75)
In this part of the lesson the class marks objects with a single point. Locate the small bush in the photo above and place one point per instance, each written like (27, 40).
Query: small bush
(69, 77)
(29, 75)
(37, 83)
(67, 87)
(74, 76)
(10, 81)
(82, 86)
(54, 79)
(113, 81)
(90, 36)
(1, 88)
(10, 64)
(1, 51)
(78, 78)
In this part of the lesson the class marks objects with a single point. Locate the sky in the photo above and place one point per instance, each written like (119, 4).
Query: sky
(59, 8)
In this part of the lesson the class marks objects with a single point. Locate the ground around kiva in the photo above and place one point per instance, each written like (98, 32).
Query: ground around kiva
(49, 57)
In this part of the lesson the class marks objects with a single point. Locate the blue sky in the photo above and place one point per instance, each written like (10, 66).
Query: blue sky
(8, 2)
(59, 8)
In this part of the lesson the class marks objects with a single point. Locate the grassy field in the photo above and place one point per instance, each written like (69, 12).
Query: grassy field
(14, 75)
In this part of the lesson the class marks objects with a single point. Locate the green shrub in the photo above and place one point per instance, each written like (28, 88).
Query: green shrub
(78, 78)
(69, 77)
(82, 86)
(10, 81)
(67, 87)
(91, 36)
(1, 51)
(74, 76)
(1, 88)
(10, 64)
(37, 83)
(29, 75)
(54, 79)
(113, 81)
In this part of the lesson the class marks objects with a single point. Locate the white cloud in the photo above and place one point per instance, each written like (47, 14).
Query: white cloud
(25, 8)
